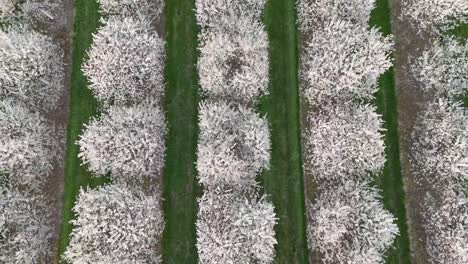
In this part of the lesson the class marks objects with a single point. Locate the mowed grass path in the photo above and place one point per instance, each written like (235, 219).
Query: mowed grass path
(83, 107)
(391, 180)
(180, 182)
(284, 181)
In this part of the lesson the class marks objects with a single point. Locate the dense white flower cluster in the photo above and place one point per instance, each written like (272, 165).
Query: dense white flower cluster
(29, 12)
(27, 143)
(235, 228)
(434, 15)
(116, 224)
(31, 68)
(233, 59)
(120, 223)
(31, 84)
(133, 8)
(234, 145)
(342, 61)
(447, 229)
(8, 7)
(234, 65)
(235, 224)
(41, 10)
(349, 225)
(313, 14)
(442, 68)
(126, 61)
(224, 14)
(440, 138)
(24, 228)
(350, 138)
(440, 149)
(127, 142)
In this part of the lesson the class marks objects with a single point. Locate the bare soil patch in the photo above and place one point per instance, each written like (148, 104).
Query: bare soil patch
(61, 31)
(412, 102)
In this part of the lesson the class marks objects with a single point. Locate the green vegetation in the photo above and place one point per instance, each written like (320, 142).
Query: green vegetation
(391, 181)
(83, 107)
(460, 31)
(284, 181)
(180, 183)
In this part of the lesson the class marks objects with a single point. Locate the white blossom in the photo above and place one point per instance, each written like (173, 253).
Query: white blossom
(434, 15)
(313, 14)
(349, 225)
(343, 61)
(443, 68)
(31, 68)
(28, 146)
(224, 13)
(235, 65)
(25, 229)
(345, 143)
(125, 63)
(127, 142)
(440, 148)
(235, 228)
(234, 145)
(8, 7)
(446, 227)
(41, 10)
(26, 10)
(115, 225)
(133, 8)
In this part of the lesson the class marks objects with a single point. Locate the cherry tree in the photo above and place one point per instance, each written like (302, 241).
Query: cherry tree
(235, 228)
(442, 68)
(313, 14)
(345, 143)
(32, 68)
(127, 142)
(234, 145)
(343, 61)
(434, 15)
(133, 8)
(349, 225)
(25, 229)
(441, 142)
(235, 65)
(446, 229)
(126, 61)
(115, 224)
(223, 13)
(28, 146)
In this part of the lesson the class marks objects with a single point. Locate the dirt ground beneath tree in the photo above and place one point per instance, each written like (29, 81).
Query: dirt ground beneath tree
(61, 31)
(411, 102)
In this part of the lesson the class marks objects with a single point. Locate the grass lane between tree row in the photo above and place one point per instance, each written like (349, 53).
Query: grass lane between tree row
(284, 181)
(83, 106)
(391, 180)
(180, 182)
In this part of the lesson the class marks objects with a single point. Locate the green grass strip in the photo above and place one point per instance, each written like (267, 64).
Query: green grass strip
(284, 181)
(391, 180)
(461, 32)
(83, 106)
(180, 182)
